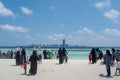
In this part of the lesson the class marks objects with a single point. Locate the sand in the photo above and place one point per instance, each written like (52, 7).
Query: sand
(51, 70)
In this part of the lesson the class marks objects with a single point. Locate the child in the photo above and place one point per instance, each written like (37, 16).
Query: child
(25, 65)
(117, 65)
(90, 58)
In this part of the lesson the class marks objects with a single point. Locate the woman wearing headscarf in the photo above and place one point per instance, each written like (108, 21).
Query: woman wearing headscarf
(93, 53)
(17, 56)
(33, 66)
(23, 55)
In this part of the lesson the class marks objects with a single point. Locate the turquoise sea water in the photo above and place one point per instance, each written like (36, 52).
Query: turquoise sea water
(73, 53)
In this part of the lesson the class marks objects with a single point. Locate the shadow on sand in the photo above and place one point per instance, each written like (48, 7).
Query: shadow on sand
(57, 64)
(26, 74)
(14, 65)
(104, 76)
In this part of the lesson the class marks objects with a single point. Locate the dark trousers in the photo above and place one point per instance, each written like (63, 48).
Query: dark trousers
(108, 70)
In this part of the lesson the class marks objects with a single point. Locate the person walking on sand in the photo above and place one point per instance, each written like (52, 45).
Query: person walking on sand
(108, 58)
(117, 59)
(33, 65)
(24, 64)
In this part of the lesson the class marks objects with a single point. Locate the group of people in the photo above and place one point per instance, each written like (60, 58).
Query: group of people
(95, 54)
(110, 58)
(62, 55)
(6, 55)
(48, 54)
(20, 56)
(21, 59)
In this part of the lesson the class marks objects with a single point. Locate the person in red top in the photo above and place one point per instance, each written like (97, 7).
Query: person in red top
(90, 58)
(25, 63)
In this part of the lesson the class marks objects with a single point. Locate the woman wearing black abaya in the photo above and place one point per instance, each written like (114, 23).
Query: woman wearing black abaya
(60, 56)
(17, 56)
(93, 55)
(23, 55)
(33, 66)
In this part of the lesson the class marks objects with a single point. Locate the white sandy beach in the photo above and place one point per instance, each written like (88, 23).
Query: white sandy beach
(51, 70)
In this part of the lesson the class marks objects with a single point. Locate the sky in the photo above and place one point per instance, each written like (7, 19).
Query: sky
(79, 22)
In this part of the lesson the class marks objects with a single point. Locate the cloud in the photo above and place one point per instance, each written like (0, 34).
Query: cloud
(108, 11)
(4, 11)
(112, 14)
(103, 4)
(52, 7)
(100, 37)
(26, 10)
(58, 36)
(86, 30)
(113, 32)
(55, 36)
(13, 28)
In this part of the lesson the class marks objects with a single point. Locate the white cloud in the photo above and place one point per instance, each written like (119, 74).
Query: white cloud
(26, 10)
(86, 30)
(113, 32)
(58, 36)
(112, 14)
(108, 12)
(104, 4)
(4, 11)
(13, 28)
(100, 37)
(52, 7)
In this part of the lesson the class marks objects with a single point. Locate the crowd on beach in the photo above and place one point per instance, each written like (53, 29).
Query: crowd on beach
(95, 54)
(22, 59)
(110, 58)
(8, 55)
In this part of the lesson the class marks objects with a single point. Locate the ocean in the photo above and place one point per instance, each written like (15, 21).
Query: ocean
(73, 53)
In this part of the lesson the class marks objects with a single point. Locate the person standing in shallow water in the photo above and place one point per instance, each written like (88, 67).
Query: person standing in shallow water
(33, 65)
